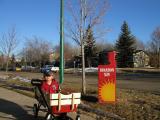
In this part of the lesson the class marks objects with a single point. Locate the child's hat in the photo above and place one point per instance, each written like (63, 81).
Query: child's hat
(48, 73)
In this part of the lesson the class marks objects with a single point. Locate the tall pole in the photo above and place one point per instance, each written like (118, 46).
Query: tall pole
(61, 42)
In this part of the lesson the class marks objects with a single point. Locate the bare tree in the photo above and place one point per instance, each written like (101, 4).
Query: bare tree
(36, 51)
(139, 45)
(86, 12)
(2, 60)
(8, 44)
(155, 47)
(102, 45)
(68, 48)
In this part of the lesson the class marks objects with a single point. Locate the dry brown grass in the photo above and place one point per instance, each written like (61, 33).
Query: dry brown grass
(133, 105)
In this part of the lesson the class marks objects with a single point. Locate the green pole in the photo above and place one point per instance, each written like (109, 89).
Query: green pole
(61, 43)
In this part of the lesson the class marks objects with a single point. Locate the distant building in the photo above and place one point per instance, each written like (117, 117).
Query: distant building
(140, 58)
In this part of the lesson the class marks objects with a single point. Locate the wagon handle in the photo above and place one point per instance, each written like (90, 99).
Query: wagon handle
(59, 89)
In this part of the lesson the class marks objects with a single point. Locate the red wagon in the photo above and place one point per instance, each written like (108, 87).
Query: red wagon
(57, 105)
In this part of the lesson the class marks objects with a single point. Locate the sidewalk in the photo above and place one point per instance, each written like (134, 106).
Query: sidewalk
(15, 106)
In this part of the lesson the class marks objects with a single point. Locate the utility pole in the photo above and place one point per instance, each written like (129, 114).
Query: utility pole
(61, 42)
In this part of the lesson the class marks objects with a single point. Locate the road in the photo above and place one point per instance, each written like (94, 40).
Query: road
(15, 106)
(138, 81)
(147, 81)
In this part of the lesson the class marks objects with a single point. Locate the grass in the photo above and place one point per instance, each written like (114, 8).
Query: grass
(18, 82)
(132, 105)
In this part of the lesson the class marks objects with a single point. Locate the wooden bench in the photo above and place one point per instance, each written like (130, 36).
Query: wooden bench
(64, 103)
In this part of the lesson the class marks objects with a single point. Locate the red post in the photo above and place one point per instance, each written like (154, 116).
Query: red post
(107, 80)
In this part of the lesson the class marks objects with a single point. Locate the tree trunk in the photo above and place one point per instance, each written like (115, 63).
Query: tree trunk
(7, 64)
(83, 70)
(2, 65)
(89, 62)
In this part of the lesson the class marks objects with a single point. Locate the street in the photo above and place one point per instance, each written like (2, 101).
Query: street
(139, 81)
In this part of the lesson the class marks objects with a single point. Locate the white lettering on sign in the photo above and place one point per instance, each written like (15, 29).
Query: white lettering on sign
(106, 69)
(106, 74)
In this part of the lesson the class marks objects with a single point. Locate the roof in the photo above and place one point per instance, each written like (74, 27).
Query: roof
(136, 51)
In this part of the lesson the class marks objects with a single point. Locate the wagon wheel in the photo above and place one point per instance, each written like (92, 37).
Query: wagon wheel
(35, 110)
(78, 117)
(50, 117)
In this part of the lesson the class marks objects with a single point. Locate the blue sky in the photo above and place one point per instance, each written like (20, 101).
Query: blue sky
(41, 18)
(142, 17)
(31, 18)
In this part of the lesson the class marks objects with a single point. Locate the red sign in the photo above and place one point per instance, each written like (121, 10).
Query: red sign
(107, 80)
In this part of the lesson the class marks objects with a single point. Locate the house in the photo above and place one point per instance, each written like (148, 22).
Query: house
(140, 58)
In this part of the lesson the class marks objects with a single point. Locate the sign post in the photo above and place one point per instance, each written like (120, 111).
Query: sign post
(107, 80)
(61, 74)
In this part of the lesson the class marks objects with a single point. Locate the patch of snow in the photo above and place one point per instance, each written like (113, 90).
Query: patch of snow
(91, 69)
(21, 79)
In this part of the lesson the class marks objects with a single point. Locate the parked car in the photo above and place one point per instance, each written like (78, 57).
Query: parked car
(18, 69)
(55, 68)
(49, 67)
(27, 68)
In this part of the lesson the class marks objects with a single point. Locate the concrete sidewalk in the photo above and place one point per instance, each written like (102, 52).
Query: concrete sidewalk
(15, 106)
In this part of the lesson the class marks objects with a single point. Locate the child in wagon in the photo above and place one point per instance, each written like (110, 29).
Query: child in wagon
(49, 85)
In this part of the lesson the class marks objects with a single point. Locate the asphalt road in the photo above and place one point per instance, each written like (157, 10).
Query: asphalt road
(148, 81)
(138, 81)
(15, 106)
